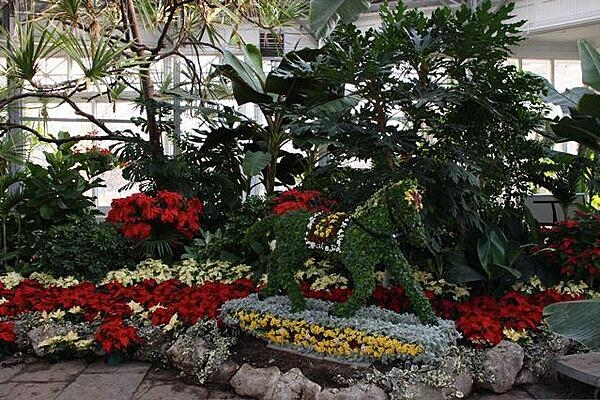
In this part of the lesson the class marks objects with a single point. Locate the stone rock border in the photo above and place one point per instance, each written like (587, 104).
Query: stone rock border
(270, 384)
(503, 364)
(501, 368)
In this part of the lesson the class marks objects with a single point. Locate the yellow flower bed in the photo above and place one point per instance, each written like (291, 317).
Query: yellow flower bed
(330, 341)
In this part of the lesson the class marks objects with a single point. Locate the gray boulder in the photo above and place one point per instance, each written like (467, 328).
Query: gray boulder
(184, 357)
(503, 362)
(48, 330)
(224, 372)
(258, 383)
(463, 383)
(294, 385)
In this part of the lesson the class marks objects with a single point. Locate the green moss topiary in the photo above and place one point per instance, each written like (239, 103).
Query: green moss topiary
(361, 240)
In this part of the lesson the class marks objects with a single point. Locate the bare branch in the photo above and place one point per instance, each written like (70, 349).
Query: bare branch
(160, 44)
(63, 99)
(6, 127)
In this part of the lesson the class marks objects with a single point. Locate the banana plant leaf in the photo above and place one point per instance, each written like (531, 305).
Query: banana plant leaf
(254, 162)
(325, 14)
(589, 104)
(590, 64)
(582, 130)
(576, 320)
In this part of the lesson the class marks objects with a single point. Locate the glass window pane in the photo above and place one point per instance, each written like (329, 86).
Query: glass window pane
(539, 67)
(52, 70)
(114, 181)
(567, 74)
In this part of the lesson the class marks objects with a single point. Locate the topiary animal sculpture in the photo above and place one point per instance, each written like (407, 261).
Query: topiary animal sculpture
(359, 240)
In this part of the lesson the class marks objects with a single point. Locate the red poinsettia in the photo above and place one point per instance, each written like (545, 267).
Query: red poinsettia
(113, 335)
(574, 245)
(140, 216)
(294, 200)
(7, 332)
(480, 319)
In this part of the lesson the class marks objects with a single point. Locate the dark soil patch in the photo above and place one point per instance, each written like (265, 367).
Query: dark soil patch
(253, 351)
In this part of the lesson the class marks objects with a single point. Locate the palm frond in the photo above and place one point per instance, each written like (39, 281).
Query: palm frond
(98, 57)
(31, 44)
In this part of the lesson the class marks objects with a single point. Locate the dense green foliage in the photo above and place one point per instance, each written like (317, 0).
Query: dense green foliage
(438, 104)
(424, 97)
(82, 248)
(45, 196)
(224, 243)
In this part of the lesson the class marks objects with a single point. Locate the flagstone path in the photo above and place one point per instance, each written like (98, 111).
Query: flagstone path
(35, 379)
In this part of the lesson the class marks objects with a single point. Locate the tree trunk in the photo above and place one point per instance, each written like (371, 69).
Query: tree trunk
(154, 133)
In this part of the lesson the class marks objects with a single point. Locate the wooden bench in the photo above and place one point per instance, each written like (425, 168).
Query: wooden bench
(584, 367)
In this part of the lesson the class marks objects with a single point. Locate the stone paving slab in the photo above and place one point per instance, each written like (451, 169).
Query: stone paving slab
(217, 394)
(163, 375)
(101, 367)
(8, 371)
(47, 372)
(75, 380)
(515, 394)
(566, 389)
(159, 391)
(31, 391)
(116, 386)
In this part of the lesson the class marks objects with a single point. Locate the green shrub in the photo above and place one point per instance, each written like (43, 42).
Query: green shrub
(84, 249)
(224, 244)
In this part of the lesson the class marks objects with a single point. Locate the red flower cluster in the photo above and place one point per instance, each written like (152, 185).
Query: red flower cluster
(110, 304)
(309, 200)
(575, 246)
(7, 332)
(139, 216)
(103, 151)
(113, 335)
(480, 319)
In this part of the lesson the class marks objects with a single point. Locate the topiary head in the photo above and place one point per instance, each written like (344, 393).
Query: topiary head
(405, 203)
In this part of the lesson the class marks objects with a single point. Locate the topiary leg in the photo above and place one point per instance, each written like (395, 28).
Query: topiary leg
(362, 271)
(289, 258)
(400, 269)
(272, 286)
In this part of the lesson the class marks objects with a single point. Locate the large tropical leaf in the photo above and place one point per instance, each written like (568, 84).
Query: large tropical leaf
(336, 105)
(325, 14)
(253, 58)
(589, 104)
(247, 73)
(254, 162)
(246, 81)
(459, 270)
(590, 64)
(491, 248)
(576, 320)
(585, 131)
(567, 99)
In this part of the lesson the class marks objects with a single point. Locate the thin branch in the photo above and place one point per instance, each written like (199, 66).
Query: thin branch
(6, 127)
(61, 86)
(62, 98)
(160, 44)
